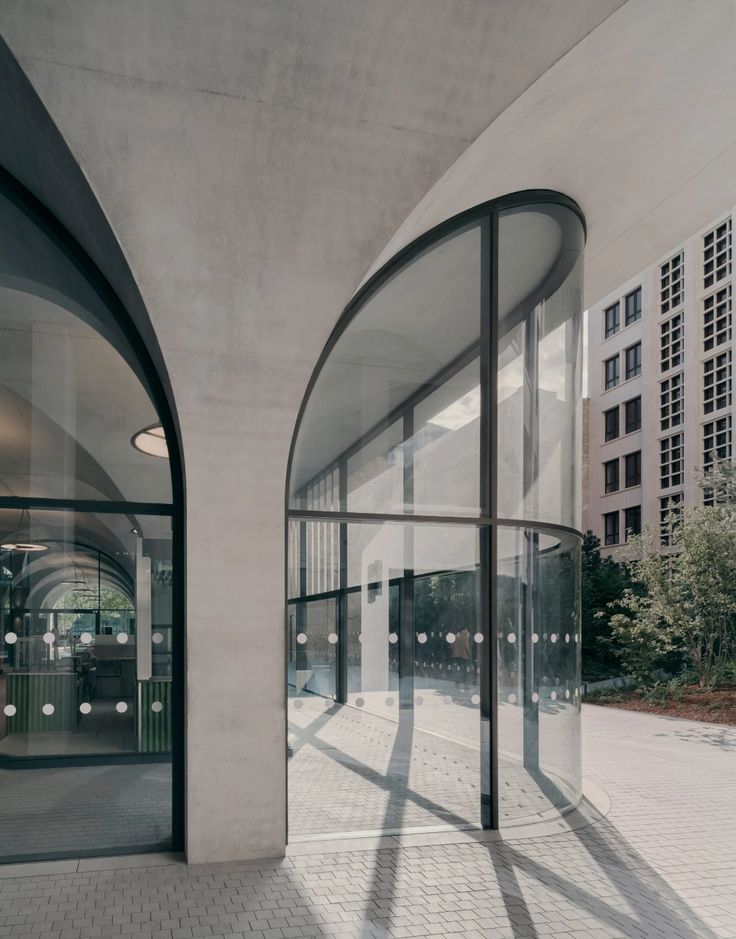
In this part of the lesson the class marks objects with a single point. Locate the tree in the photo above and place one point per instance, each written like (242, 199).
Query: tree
(686, 602)
(603, 584)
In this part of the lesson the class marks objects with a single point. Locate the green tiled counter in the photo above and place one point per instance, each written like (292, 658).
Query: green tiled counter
(154, 726)
(28, 692)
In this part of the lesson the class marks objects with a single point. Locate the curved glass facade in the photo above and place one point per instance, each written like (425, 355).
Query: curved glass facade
(434, 551)
(88, 623)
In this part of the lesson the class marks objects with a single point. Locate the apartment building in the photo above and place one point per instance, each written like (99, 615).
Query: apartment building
(660, 360)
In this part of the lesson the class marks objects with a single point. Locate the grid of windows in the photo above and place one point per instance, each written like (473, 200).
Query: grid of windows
(671, 339)
(671, 461)
(611, 372)
(632, 521)
(671, 401)
(717, 382)
(670, 513)
(717, 318)
(633, 306)
(632, 474)
(633, 361)
(632, 412)
(717, 254)
(612, 319)
(610, 472)
(610, 527)
(671, 283)
(611, 424)
(717, 444)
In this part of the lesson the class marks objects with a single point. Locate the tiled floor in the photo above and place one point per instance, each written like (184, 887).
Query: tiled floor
(662, 863)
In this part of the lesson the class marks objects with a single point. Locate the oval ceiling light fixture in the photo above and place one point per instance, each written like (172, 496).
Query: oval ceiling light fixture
(152, 441)
(25, 546)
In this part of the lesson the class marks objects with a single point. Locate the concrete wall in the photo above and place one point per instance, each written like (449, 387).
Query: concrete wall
(253, 159)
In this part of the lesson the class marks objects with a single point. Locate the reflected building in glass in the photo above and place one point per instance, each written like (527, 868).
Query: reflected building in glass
(433, 536)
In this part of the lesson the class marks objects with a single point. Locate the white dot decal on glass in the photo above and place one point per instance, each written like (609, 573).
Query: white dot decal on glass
(297, 705)
(475, 699)
(157, 638)
(554, 696)
(535, 697)
(359, 702)
(9, 710)
(332, 638)
(85, 707)
(10, 638)
(447, 699)
(122, 638)
(389, 702)
(121, 707)
(392, 638)
(576, 692)
(535, 638)
(157, 707)
(451, 637)
(576, 637)
(478, 637)
(301, 638)
(553, 637)
(512, 699)
(86, 638)
(418, 700)
(421, 638)
(567, 637)
(511, 637)
(360, 637)
(49, 638)
(48, 709)
(567, 693)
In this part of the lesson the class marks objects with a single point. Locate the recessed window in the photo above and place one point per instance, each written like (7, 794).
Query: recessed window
(611, 422)
(670, 515)
(671, 461)
(717, 319)
(612, 319)
(671, 339)
(671, 401)
(610, 528)
(717, 382)
(632, 412)
(632, 521)
(611, 372)
(610, 473)
(671, 283)
(633, 306)
(717, 254)
(633, 361)
(632, 463)
(717, 445)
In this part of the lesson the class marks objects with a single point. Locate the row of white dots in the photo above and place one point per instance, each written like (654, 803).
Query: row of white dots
(393, 638)
(448, 699)
(86, 638)
(85, 707)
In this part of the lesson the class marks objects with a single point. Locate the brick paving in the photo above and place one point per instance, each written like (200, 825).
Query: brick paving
(661, 863)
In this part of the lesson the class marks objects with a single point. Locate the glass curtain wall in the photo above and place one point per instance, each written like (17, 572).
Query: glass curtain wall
(88, 618)
(433, 543)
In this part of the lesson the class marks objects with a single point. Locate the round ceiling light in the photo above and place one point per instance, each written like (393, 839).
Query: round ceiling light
(26, 546)
(152, 441)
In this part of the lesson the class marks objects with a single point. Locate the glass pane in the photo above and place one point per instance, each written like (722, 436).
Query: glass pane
(403, 750)
(539, 364)
(539, 672)
(407, 347)
(85, 677)
(71, 397)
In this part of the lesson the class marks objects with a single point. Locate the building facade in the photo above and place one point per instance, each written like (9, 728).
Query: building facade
(660, 360)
